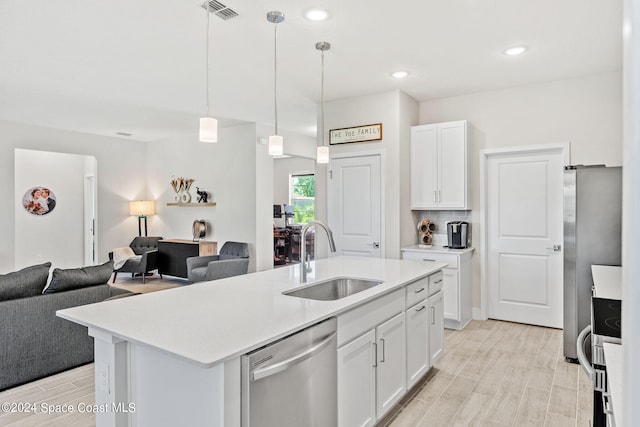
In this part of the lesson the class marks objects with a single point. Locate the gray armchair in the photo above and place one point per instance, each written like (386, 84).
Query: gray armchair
(233, 260)
(148, 248)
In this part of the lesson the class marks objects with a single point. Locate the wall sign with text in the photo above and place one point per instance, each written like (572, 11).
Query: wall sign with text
(356, 134)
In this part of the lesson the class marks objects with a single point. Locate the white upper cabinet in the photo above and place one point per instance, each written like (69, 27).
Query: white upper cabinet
(440, 166)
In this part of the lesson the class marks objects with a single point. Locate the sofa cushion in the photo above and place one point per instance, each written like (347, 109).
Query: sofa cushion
(74, 278)
(24, 283)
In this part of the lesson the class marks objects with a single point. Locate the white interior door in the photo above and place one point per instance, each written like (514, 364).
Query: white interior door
(354, 205)
(524, 223)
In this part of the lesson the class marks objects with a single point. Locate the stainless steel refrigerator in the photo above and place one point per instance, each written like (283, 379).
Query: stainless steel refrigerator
(592, 235)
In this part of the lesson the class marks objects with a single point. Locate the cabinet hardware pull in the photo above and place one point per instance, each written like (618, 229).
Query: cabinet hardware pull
(433, 315)
(434, 196)
(375, 354)
(439, 194)
(382, 341)
(421, 308)
(427, 259)
(438, 281)
(419, 290)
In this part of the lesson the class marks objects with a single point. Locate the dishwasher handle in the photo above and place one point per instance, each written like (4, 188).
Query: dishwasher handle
(259, 374)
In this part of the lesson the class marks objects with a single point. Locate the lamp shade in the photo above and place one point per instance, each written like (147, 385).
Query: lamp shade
(322, 154)
(276, 147)
(142, 207)
(208, 129)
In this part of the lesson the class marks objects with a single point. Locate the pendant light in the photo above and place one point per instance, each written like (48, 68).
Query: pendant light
(322, 152)
(208, 125)
(275, 141)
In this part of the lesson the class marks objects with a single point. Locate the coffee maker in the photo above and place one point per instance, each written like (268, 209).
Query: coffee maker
(459, 234)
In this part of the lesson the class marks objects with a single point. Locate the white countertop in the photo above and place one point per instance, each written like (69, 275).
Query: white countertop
(613, 360)
(607, 281)
(210, 322)
(437, 249)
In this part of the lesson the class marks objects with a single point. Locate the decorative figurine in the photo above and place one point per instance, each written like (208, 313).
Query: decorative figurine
(203, 196)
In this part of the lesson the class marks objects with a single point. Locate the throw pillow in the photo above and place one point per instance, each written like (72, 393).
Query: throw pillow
(74, 278)
(24, 283)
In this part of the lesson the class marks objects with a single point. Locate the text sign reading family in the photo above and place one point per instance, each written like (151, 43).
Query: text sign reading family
(356, 134)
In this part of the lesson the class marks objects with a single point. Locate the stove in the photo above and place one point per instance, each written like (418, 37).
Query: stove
(607, 317)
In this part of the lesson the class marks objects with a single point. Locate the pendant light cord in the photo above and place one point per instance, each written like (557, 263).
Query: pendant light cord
(208, 61)
(322, 98)
(275, 74)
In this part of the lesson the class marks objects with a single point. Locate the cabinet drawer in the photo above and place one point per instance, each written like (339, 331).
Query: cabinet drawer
(417, 291)
(436, 282)
(367, 316)
(450, 259)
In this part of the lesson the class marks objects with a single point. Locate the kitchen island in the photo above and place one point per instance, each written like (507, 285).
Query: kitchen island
(173, 357)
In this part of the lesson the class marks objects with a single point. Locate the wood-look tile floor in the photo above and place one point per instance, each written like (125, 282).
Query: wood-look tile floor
(492, 374)
(498, 374)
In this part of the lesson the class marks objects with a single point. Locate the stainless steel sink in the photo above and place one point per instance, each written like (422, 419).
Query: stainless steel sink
(333, 289)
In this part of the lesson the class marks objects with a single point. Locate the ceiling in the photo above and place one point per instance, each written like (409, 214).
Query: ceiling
(139, 66)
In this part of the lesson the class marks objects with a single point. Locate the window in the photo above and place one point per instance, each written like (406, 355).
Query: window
(302, 197)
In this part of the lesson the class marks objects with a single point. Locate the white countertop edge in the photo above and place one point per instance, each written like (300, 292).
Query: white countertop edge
(607, 280)
(437, 249)
(358, 299)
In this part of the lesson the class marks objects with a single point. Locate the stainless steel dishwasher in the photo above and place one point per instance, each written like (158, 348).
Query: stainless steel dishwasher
(293, 382)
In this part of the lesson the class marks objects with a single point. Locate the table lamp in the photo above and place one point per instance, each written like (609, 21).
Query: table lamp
(142, 208)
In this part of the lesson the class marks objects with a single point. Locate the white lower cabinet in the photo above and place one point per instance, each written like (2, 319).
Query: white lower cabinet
(371, 373)
(384, 348)
(436, 327)
(457, 281)
(357, 382)
(418, 320)
(391, 365)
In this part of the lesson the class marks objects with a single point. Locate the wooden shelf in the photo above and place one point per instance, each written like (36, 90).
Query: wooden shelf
(192, 204)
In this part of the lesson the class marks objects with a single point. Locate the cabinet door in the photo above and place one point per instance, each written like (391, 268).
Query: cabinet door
(391, 371)
(436, 327)
(418, 355)
(424, 166)
(451, 294)
(452, 166)
(357, 382)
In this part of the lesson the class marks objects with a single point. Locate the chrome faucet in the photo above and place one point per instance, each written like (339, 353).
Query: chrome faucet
(304, 263)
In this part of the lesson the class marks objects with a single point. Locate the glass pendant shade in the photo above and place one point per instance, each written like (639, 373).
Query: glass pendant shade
(275, 145)
(208, 129)
(322, 154)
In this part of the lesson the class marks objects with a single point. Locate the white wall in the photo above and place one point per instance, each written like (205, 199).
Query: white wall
(236, 172)
(121, 177)
(396, 111)
(38, 237)
(587, 112)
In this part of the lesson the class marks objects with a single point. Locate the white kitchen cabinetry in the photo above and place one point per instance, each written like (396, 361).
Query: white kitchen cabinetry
(440, 167)
(382, 346)
(436, 327)
(357, 381)
(457, 304)
(391, 365)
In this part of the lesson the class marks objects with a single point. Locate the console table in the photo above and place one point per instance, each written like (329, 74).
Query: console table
(173, 254)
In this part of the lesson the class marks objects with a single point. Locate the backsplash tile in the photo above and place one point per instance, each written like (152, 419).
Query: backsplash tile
(440, 219)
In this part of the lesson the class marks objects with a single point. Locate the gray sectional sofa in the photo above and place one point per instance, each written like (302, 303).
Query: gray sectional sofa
(34, 342)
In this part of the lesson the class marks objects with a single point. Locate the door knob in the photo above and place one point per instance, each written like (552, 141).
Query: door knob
(556, 248)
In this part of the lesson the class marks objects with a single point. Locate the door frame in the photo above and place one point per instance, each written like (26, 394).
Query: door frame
(366, 153)
(564, 148)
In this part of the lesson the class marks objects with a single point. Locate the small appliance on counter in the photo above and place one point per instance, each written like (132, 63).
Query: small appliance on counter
(459, 234)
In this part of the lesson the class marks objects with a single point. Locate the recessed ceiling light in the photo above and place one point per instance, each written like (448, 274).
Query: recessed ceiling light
(316, 14)
(399, 74)
(515, 51)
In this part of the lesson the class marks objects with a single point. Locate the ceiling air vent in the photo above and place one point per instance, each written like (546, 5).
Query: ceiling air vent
(221, 11)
